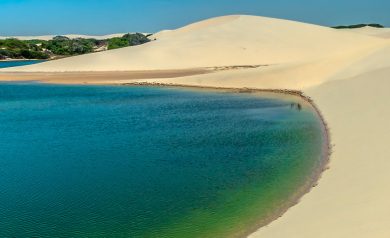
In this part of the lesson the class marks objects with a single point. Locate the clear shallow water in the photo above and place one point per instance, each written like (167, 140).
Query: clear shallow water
(7, 64)
(89, 161)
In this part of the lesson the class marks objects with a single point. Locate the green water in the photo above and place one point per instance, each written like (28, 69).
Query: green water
(94, 161)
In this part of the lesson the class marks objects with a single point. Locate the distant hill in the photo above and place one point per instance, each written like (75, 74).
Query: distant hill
(63, 46)
(359, 26)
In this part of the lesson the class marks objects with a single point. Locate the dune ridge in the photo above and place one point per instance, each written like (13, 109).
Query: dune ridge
(345, 72)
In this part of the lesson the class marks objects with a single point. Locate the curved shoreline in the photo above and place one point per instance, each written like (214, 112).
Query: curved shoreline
(317, 173)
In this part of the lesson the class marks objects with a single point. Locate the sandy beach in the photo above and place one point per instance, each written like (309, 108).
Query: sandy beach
(107, 77)
(345, 73)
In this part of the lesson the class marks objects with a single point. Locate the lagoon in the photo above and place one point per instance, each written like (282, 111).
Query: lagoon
(127, 161)
(15, 63)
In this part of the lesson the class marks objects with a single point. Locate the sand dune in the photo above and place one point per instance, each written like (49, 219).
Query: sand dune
(345, 72)
(224, 41)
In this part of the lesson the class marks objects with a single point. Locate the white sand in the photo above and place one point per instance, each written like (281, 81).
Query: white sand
(346, 72)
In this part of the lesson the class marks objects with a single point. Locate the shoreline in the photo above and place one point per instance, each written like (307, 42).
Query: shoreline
(326, 146)
(96, 77)
(112, 77)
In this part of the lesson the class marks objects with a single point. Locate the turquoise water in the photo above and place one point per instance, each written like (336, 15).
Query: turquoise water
(7, 64)
(94, 161)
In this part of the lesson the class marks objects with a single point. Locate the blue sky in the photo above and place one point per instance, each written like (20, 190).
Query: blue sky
(38, 17)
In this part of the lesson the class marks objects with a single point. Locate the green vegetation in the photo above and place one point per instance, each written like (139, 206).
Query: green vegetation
(359, 26)
(127, 40)
(61, 46)
(13, 48)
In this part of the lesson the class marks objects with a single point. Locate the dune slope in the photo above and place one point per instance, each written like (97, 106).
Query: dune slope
(223, 41)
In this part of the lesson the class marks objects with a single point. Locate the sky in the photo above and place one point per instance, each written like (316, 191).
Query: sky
(99, 17)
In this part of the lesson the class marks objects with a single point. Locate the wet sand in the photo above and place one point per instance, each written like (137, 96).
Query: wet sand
(105, 77)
